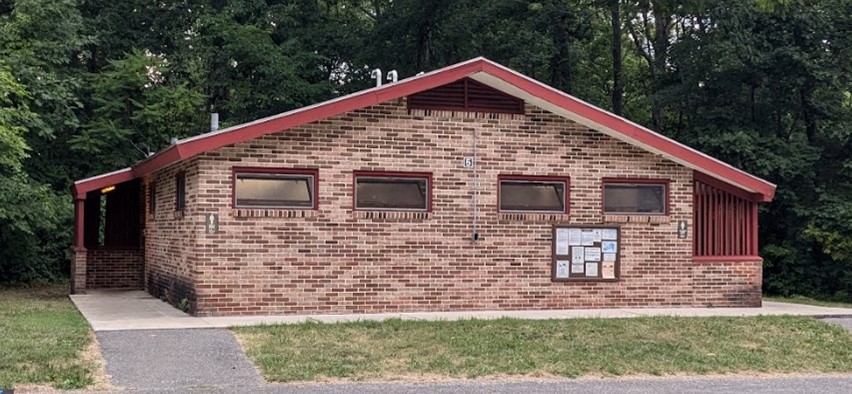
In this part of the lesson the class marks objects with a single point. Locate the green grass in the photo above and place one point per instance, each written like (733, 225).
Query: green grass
(808, 301)
(43, 339)
(569, 348)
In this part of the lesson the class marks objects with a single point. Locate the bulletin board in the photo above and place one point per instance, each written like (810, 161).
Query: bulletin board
(583, 253)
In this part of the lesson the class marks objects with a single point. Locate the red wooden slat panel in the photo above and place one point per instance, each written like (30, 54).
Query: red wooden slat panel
(725, 224)
(466, 95)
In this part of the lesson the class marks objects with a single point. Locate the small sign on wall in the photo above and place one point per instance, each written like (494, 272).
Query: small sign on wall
(211, 223)
(469, 162)
(682, 231)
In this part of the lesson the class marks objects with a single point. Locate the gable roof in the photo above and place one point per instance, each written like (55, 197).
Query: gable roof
(480, 69)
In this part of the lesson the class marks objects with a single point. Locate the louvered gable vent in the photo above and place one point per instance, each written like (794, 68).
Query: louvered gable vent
(466, 95)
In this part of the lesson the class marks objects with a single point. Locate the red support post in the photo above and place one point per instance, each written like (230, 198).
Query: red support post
(79, 222)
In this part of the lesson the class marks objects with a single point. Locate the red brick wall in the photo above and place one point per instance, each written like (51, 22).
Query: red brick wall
(728, 284)
(336, 260)
(170, 236)
(114, 268)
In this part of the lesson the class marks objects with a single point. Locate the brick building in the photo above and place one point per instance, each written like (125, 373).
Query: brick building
(472, 187)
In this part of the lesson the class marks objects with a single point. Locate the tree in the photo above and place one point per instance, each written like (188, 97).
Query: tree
(137, 111)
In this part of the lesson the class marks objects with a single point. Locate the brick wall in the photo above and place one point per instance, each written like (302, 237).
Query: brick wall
(336, 260)
(170, 236)
(720, 284)
(114, 268)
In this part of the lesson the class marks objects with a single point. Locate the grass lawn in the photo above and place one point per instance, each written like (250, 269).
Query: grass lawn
(43, 339)
(399, 349)
(808, 301)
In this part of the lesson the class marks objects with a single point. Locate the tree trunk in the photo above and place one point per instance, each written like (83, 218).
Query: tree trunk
(617, 86)
(560, 63)
(424, 35)
(661, 48)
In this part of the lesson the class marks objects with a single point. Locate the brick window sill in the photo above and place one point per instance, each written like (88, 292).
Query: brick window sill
(178, 214)
(392, 215)
(533, 217)
(274, 213)
(637, 218)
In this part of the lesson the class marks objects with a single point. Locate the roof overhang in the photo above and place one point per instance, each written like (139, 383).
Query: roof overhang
(480, 69)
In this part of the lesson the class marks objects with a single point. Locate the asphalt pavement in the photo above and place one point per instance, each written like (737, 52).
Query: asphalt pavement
(183, 360)
(842, 321)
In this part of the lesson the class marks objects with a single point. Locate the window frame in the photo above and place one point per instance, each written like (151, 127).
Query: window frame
(313, 172)
(666, 183)
(180, 178)
(540, 179)
(152, 198)
(391, 174)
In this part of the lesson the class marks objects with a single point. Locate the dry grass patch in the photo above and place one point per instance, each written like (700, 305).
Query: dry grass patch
(44, 340)
(398, 349)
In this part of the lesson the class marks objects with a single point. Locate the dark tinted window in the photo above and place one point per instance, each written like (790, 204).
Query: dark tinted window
(540, 196)
(403, 193)
(632, 198)
(274, 190)
(153, 199)
(181, 192)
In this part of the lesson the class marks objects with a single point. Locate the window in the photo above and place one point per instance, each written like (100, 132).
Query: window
(275, 188)
(631, 197)
(180, 187)
(393, 191)
(152, 202)
(533, 194)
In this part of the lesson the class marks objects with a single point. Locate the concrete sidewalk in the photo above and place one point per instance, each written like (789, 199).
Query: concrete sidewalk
(136, 310)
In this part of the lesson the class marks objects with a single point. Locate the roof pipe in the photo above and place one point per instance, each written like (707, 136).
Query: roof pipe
(377, 75)
(214, 121)
(393, 76)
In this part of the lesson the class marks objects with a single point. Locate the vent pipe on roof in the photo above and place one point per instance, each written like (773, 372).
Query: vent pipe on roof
(214, 121)
(393, 76)
(377, 75)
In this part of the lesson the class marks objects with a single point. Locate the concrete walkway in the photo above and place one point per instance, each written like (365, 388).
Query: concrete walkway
(136, 310)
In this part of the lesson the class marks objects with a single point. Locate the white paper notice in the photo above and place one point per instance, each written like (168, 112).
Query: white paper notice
(588, 237)
(562, 241)
(562, 269)
(593, 254)
(577, 268)
(575, 237)
(591, 269)
(608, 269)
(609, 233)
(597, 234)
(609, 246)
(609, 257)
(578, 254)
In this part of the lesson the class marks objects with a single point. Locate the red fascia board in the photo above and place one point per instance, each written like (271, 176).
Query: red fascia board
(201, 144)
(765, 190)
(728, 188)
(80, 188)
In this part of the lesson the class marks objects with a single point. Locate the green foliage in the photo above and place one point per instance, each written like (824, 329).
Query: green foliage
(13, 115)
(33, 218)
(137, 110)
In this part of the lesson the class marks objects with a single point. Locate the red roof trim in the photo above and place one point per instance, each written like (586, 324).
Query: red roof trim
(206, 142)
(81, 187)
(633, 131)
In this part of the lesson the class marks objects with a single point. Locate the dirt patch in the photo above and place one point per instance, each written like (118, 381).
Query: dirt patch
(92, 356)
